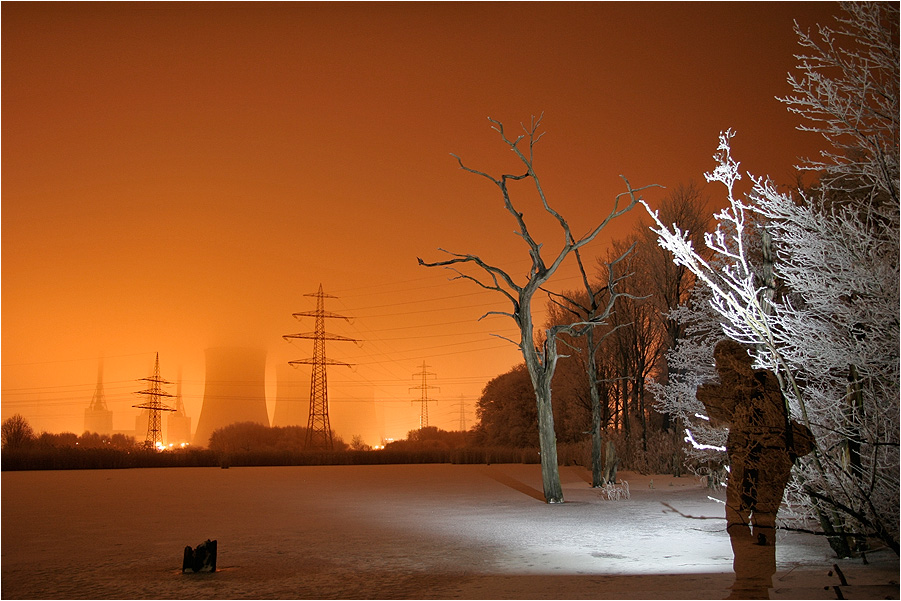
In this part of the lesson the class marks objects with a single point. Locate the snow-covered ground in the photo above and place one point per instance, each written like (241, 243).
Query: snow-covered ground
(394, 531)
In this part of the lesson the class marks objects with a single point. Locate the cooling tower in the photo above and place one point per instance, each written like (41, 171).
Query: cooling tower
(98, 420)
(292, 400)
(234, 391)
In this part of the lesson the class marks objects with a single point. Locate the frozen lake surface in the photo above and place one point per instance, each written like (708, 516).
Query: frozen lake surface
(391, 531)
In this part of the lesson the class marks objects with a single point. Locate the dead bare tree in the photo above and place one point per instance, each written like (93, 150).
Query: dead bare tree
(541, 361)
(589, 313)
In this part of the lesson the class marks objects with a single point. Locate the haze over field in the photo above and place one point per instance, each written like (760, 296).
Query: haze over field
(178, 176)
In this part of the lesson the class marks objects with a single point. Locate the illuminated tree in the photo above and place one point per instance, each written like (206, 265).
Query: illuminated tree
(820, 300)
(831, 337)
(540, 358)
(847, 91)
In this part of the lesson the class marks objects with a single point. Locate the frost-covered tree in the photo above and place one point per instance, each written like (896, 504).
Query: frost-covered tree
(831, 335)
(812, 281)
(847, 91)
(540, 356)
(690, 364)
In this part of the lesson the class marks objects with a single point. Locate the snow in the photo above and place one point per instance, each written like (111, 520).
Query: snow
(393, 531)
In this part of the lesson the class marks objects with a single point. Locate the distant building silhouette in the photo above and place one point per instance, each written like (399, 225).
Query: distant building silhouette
(97, 417)
(234, 391)
(292, 397)
(178, 424)
(141, 425)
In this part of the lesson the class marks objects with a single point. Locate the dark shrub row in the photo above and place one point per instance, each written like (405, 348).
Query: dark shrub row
(50, 458)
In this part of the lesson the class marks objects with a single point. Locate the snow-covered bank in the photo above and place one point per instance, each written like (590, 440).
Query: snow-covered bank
(395, 531)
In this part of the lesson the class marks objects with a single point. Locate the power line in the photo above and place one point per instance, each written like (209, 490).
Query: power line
(424, 401)
(319, 430)
(154, 406)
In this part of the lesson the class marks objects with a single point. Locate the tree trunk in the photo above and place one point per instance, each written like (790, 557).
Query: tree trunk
(596, 468)
(541, 373)
(550, 474)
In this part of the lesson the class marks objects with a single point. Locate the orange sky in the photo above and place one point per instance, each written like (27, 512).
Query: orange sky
(178, 176)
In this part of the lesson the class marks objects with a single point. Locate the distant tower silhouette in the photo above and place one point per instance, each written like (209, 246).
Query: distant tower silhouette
(319, 430)
(154, 405)
(97, 417)
(234, 390)
(178, 424)
(462, 406)
(424, 401)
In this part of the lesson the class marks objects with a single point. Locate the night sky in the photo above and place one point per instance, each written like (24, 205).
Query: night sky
(178, 176)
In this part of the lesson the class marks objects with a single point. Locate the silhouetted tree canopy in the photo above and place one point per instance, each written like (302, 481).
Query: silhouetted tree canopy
(253, 437)
(507, 412)
(16, 432)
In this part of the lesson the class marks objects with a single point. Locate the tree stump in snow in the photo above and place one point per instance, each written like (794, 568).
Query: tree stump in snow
(610, 461)
(201, 558)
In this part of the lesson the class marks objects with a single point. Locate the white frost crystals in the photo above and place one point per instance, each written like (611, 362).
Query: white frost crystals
(811, 282)
(689, 437)
(615, 492)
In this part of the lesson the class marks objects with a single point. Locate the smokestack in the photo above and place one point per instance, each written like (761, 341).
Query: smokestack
(234, 391)
(98, 417)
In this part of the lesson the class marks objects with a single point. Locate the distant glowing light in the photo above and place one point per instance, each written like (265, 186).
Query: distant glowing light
(697, 445)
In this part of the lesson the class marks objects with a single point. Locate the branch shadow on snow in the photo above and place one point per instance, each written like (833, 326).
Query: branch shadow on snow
(689, 516)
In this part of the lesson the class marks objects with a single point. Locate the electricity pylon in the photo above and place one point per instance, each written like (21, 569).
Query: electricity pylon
(154, 405)
(424, 401)
(462, 406)
(319, 431)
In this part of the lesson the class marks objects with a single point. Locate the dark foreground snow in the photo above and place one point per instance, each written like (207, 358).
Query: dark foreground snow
(397, 531)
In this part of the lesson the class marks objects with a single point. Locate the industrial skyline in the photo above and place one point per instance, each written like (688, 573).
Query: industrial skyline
(177, 176)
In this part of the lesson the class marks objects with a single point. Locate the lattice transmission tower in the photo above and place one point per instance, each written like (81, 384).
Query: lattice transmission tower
(462, 406)
(319, 431)
(154, 405)
(424, 401)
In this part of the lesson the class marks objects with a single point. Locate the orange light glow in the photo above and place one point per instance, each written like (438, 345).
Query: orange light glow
(177, 176)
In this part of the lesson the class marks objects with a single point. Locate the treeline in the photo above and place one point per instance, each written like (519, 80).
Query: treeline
(238, 445)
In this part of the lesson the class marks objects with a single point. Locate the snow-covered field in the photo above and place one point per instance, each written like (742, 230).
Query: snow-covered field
(394, 531)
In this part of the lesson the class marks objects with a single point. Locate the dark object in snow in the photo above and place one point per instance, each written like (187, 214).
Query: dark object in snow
(610, 461)
(762, 446)
(200, 559)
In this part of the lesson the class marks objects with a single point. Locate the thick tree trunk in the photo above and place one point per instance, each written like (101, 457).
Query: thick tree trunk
(550, 474)
(542, 372)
